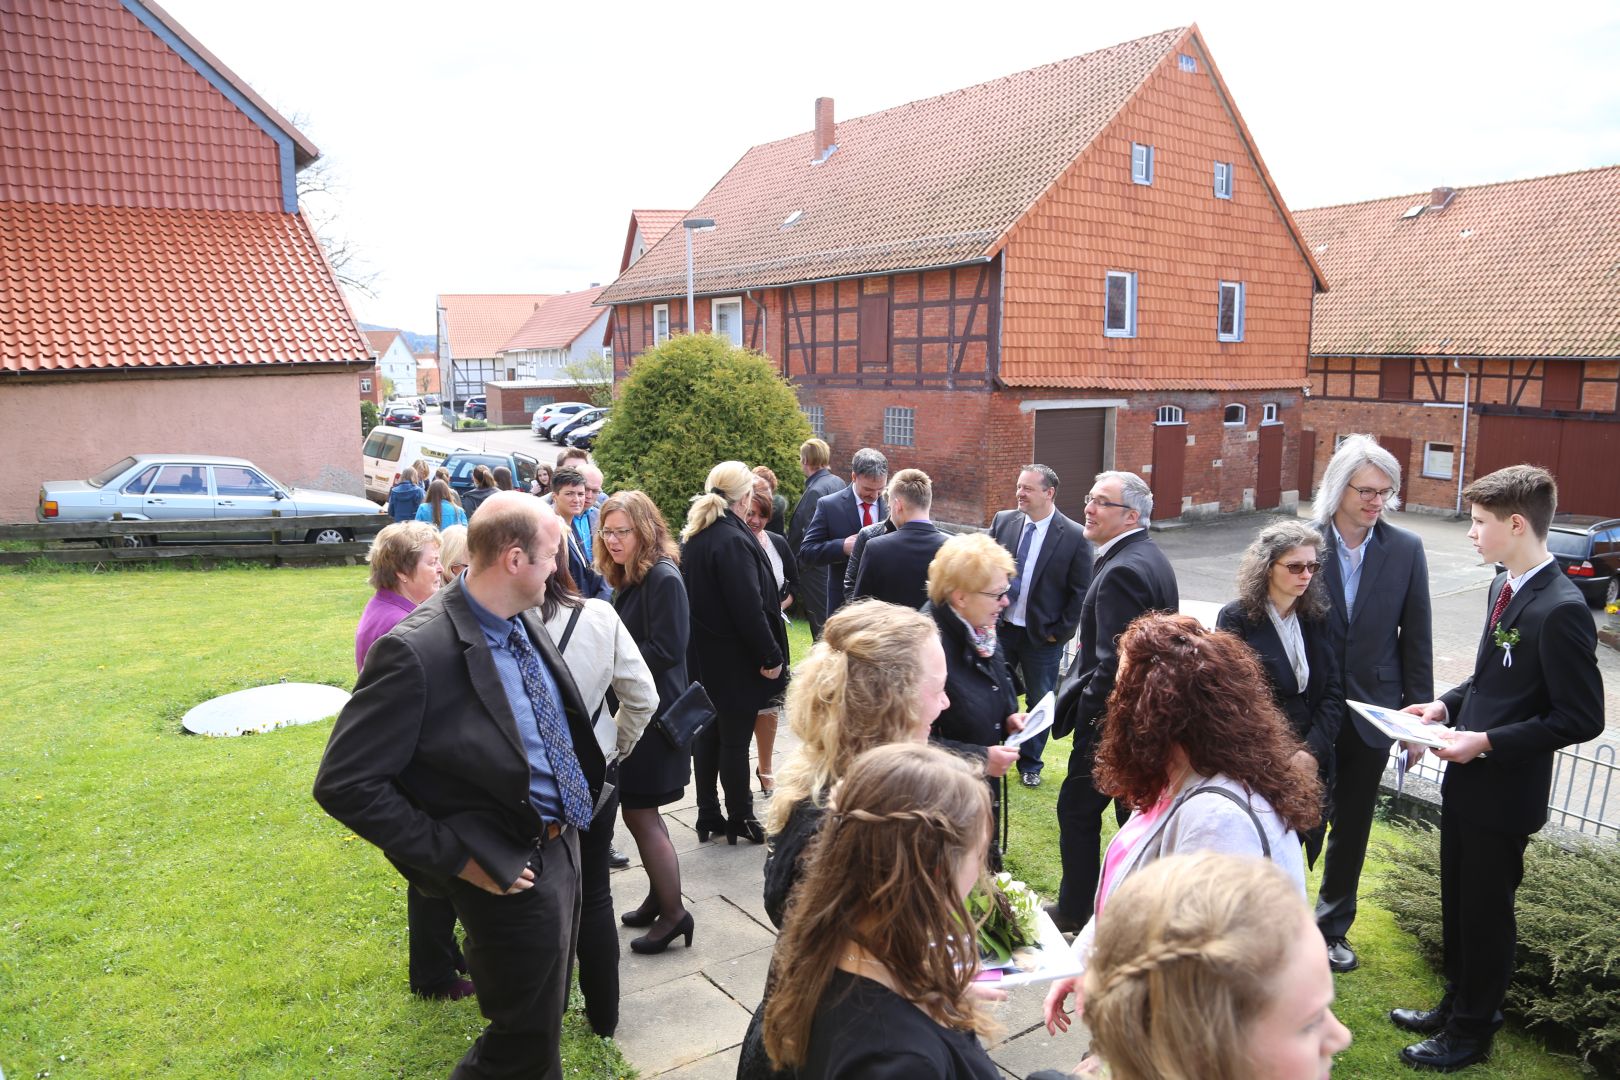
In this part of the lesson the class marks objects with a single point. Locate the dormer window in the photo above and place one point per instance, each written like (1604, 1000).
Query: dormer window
(792, 219)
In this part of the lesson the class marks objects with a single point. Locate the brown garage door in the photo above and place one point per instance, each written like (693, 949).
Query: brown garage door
(1169, 468)
(1070, 441)
(1577, 452)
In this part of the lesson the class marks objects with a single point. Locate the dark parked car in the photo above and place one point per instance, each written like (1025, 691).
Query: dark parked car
(585, 437)
(403, 416)
(560, 433)
(1588, 552)
(461, 468)
(475, 407)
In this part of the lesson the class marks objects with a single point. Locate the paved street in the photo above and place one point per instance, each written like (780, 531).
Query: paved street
(500, 441)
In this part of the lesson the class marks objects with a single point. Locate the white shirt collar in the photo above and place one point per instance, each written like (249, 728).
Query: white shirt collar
(1109, 546)
(1515, 582)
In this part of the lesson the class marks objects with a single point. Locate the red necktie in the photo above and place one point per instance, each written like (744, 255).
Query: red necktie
(1502, 599)
(866, 513)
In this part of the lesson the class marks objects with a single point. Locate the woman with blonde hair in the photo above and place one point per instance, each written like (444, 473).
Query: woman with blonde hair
(1210, 967)
(739, 647)
(452, 552)
(872, 975)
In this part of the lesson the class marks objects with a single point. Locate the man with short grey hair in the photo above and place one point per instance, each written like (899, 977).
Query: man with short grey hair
(1131, 577)
(830, 537)
(1381, 626)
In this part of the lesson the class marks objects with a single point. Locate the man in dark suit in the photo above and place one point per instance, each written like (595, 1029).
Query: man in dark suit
(1377, 579)
(830, 536)
(571, 500)
(1054, 570)
(1535, 689)
(1131, 576)
(466, 755)
(819, 481)
(894, 568)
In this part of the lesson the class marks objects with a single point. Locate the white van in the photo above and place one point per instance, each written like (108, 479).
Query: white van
(390, 449)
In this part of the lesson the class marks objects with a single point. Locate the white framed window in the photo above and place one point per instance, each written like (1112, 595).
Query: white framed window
(1119, 304)
(1229, 319)
(1268, 413)
(1141, 163)
(900, 426)
(725, 316)
(1223, 179)
(365, 386)
(1439, 459)
(1235, 414)
(1170, 414)
(660, 323)
(1187, 64)
(817, 415)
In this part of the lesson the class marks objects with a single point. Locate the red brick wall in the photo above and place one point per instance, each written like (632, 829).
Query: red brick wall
(1403, 420)
(375, 395)
(506, 404)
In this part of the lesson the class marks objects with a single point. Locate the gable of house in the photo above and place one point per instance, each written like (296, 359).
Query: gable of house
(478, 325)
(647, 227)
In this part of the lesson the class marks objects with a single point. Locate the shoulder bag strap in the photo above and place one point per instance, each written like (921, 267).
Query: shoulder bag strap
(562, 647)
(1265, 844)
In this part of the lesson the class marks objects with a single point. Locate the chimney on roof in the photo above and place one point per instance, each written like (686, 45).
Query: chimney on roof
(1441, 197)
(596, 284)
(825, 128)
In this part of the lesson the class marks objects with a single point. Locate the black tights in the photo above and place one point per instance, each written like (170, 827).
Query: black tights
(663, 867)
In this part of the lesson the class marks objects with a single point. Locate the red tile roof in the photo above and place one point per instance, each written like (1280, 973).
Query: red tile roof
(479, 324)
(89, 287)
(654, 225)
(558, 323)
(1522, 268)
(933, 183)
(380, 340)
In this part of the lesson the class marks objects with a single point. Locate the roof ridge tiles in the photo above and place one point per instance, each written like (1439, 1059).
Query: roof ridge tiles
(1459, 190)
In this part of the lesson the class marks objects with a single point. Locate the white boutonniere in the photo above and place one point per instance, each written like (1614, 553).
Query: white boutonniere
(1505, 640)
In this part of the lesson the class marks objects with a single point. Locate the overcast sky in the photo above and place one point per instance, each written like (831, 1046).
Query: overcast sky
(493, 146)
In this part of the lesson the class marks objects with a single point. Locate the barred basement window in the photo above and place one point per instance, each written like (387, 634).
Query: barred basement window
(1170, 414)
(817, 415)
(899, 426)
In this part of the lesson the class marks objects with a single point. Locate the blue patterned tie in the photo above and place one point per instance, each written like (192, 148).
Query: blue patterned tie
(576, 793)
(1017, 585)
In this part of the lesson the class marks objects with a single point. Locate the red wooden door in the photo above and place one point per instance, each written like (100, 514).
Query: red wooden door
(1402, 450)
(1307, 464)
(1169, 467)
(1268, 481)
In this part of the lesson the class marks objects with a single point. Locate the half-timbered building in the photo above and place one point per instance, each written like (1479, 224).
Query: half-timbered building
(1086, 264)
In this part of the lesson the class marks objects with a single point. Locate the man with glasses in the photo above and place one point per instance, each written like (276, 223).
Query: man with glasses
(1054, 570)
(1378, 581)
(467, 755)
(1131, 576)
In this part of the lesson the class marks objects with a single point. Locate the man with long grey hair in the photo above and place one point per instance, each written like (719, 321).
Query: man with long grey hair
(1377, 580)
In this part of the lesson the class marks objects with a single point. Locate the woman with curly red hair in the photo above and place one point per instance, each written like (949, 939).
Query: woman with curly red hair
(1205, 760)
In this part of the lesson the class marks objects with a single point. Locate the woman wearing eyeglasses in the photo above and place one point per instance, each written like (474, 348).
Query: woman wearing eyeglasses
(1281, 611)
(967, 590)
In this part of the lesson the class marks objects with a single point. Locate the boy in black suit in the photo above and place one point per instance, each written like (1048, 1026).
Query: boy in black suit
(894, 567)
(1535, 689)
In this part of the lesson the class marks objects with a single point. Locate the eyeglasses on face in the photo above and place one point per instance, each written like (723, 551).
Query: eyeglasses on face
(617, 534)
(1372, 494)
(1298, 568)
(1101, 501)
(994, 595)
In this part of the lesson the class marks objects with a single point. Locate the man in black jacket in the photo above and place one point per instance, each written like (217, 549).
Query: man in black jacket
(1535, 689)
(819, 481)
(1380, 626)
(1131, 577)
(894, 568)
(830, 537)
(466, 755)
(1054, 570)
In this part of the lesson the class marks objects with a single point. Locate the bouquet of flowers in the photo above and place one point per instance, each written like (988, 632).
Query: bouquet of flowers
(1010, 913)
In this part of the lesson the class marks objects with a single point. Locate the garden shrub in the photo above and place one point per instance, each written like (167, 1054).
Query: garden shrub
(1567, 983)
(692, 402)
(368, 417)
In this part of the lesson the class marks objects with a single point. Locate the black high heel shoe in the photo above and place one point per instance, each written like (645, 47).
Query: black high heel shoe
(650, 945)
(643, 916)
(749, 827)
(708, 829)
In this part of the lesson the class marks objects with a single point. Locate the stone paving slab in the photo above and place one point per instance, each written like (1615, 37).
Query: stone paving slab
(722, 933)
(674, 1023)
(721, 1066)
(1036, 1050)
(742, 977)
(713, 869)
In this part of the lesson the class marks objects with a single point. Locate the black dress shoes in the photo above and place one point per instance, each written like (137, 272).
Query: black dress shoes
(1420, 1021)
(1064, 924)
(1446, 1051)
(617, 859)
(1341, 957)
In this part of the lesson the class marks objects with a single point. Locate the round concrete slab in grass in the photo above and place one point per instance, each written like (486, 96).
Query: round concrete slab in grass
(265, 708)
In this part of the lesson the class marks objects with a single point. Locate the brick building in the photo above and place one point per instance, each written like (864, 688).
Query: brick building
(1084, 264)
(1470, 329)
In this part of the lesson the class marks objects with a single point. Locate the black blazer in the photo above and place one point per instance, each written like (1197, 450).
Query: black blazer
(586, 580)
(1132, 578)
(1058, 581)
(425, 761)
(1385, 653)
(815, 487)
(790, 566)
(980, 688)
(656, 614)
(894, 568)
(852, 569)
(1317, 710)
(737, 624)
(1550, 698)
(837, 516)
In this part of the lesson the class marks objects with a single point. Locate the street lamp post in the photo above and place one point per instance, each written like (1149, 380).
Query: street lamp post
(692, 225)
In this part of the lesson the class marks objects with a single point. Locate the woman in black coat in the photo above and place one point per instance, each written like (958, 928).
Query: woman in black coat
(967, 590)
(738, 648)
(785, 569)
(636, 556)
(1281, 612)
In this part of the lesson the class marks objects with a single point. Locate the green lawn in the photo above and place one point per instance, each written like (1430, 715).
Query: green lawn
(179, 906)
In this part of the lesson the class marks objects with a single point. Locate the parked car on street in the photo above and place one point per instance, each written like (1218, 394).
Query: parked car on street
(1587, 550)
(192, 487)
(461, 466)
(403, 416)
(545, 415)
(430, 401)
(475, 408)
(585, 437)
(560, 432)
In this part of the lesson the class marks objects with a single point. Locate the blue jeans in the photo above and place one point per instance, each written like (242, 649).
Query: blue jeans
(1037, 665)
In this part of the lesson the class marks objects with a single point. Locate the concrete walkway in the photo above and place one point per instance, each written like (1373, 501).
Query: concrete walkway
(683, 1013)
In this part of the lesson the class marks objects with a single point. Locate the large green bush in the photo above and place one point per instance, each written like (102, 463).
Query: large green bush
(368, 417)
(1568, 978)
(695, 401)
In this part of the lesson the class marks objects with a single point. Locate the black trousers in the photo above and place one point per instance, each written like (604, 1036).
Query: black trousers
(722, 750)
(813, 597)
(1080, 809)
(520, 949)
(1359, 767)
(598, 928)
(1480, 872)
(435, 958)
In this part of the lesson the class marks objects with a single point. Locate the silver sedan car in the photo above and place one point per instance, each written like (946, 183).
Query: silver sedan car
(191, 487)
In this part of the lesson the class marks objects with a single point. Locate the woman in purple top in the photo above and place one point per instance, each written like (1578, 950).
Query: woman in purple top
(405, 571)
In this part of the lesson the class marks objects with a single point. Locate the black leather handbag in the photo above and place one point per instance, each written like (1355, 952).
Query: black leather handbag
(686, 716)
